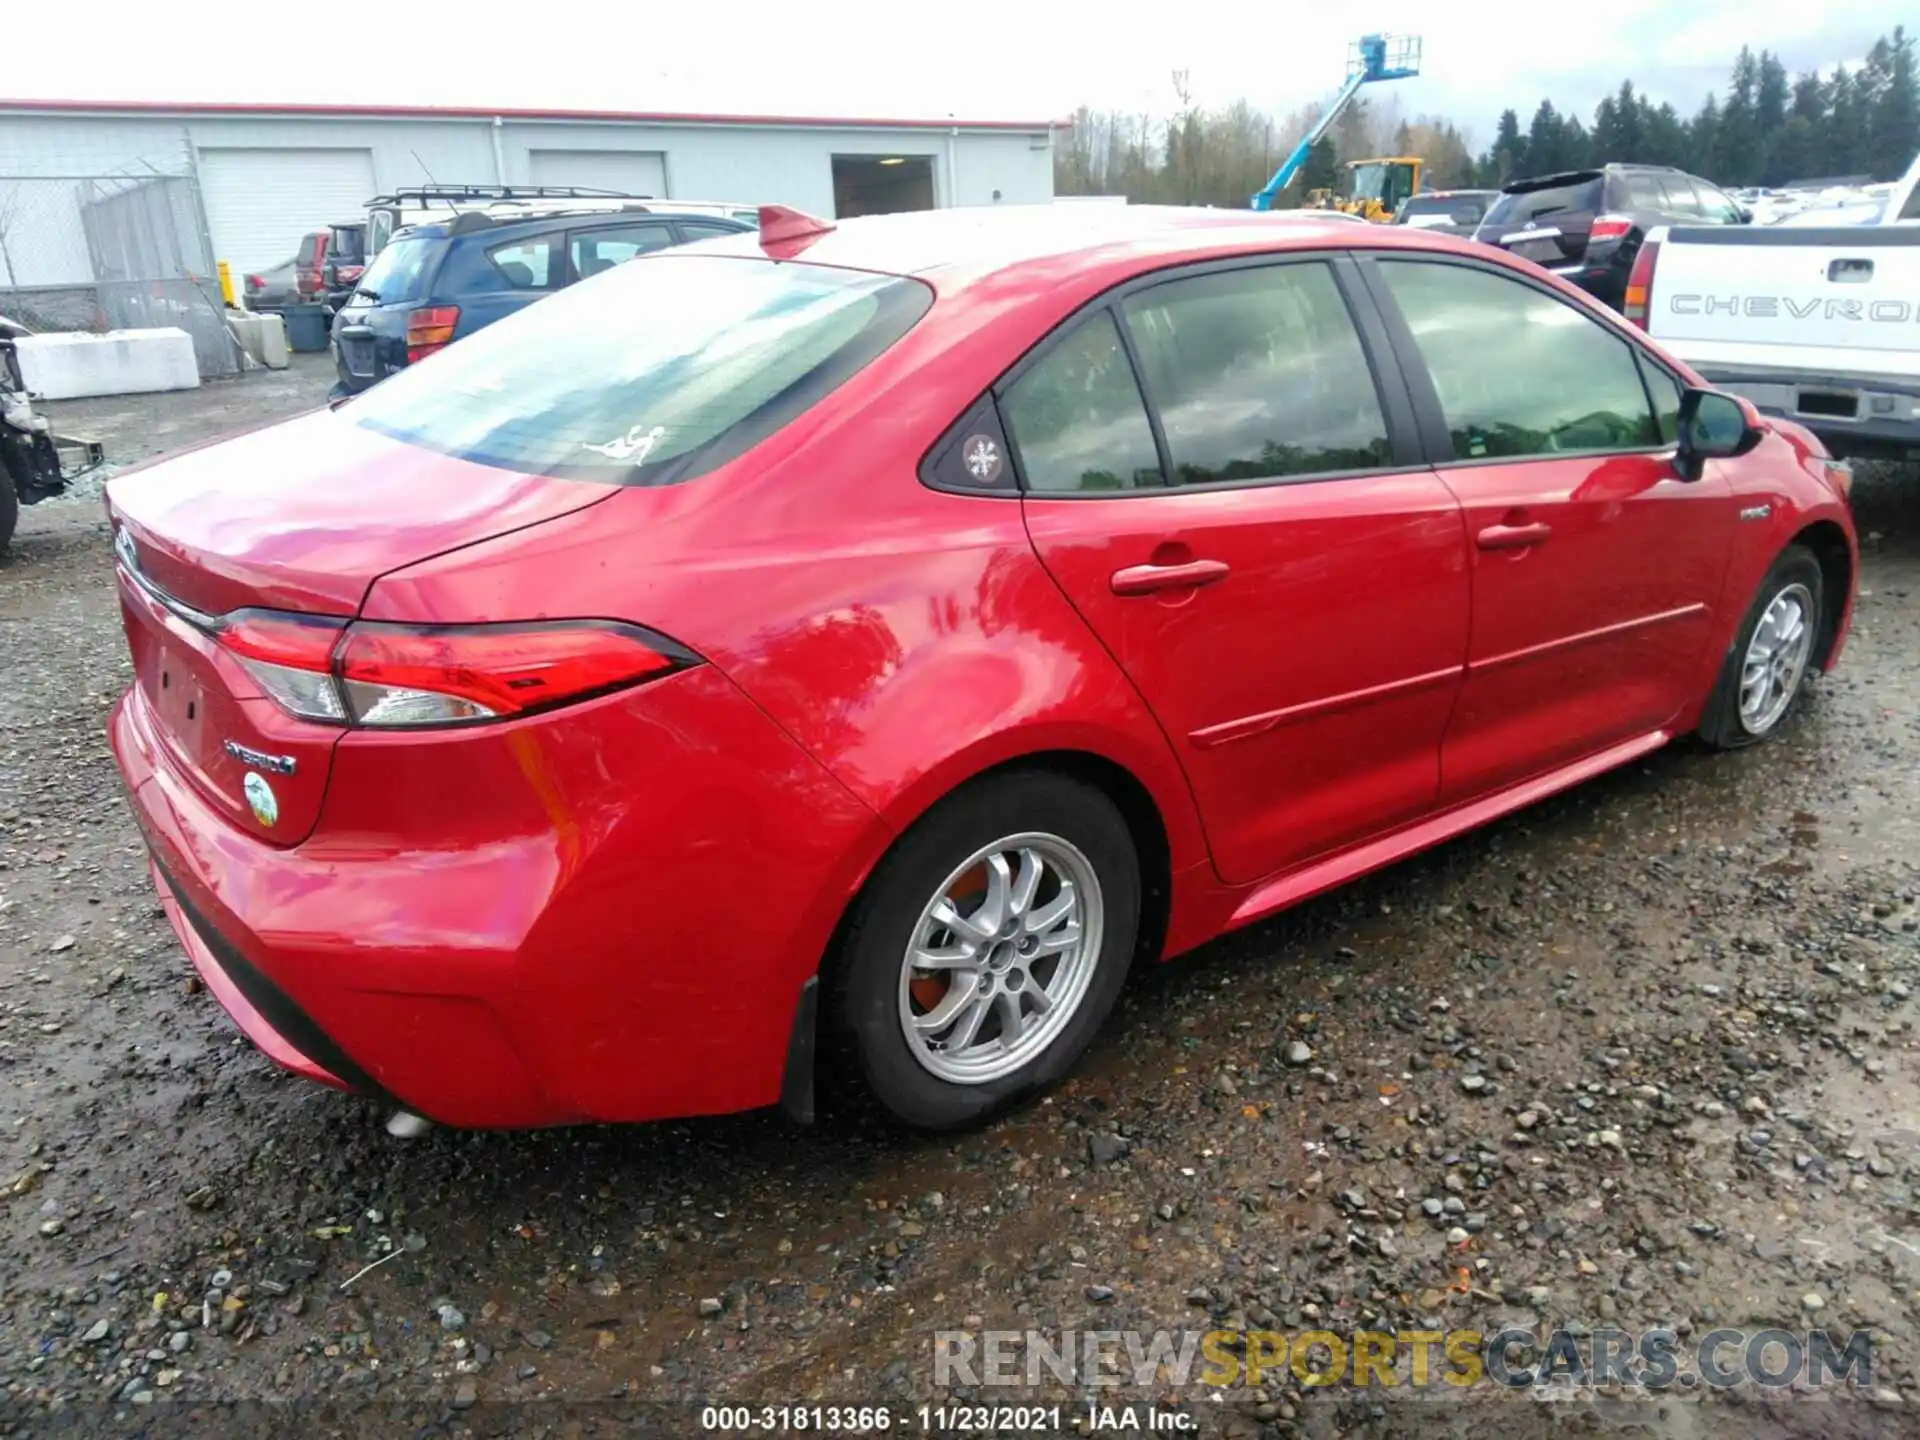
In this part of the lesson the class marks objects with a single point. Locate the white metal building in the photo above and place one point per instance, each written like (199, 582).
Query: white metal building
(266, 176)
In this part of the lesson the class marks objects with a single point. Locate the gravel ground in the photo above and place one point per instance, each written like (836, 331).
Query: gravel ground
(1642, 1055)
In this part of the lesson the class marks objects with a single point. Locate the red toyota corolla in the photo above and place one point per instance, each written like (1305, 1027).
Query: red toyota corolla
(836, 655)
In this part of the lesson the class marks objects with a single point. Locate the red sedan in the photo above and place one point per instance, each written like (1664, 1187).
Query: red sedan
(837, 654)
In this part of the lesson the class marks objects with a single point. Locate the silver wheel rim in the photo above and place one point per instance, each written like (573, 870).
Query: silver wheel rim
(1776, 658)
(1001, 958)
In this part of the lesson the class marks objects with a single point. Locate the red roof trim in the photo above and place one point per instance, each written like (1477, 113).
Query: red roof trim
(469, 112)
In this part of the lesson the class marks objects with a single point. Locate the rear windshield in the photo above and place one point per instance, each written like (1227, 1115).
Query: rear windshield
(1442, 210)
(649, 374)
(346, 245)
(395, 275)
(1580, 197)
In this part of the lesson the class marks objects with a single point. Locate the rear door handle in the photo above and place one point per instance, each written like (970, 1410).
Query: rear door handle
(1145, 579)
(1513, 537)
(1850, 271)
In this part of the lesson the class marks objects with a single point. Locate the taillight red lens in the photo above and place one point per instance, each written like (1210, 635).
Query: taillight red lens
(301, 642)
(406, 675)
(429, 328)
(1640, 284)
(1609, 227)
(395, 676)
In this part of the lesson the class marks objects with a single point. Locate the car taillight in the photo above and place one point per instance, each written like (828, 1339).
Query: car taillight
(398, 676)
(429, 328)
(290, 657)
(254, 282)
(1609, 227)
(1640, 284)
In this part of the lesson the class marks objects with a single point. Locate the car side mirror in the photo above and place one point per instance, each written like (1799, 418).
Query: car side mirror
(1713, 425)
(1746, 215)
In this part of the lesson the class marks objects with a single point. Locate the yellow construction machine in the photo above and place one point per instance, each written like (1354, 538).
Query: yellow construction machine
(1375, 188)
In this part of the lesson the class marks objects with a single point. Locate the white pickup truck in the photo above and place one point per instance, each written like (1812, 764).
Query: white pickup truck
(1821, 325)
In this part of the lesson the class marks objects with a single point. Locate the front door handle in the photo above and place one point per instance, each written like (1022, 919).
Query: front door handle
(1145, 579)
(1513, 537)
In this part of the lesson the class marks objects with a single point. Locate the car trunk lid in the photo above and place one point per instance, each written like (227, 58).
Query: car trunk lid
(301, 517)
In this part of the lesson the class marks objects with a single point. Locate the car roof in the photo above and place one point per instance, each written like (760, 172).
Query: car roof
(538, 224)
(959, 248)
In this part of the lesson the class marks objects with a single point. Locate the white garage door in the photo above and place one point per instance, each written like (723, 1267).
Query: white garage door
(631, 172)
(260, 202)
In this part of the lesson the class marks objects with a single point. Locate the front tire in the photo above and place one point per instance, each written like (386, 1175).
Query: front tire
(1765, 672)
(986, 950)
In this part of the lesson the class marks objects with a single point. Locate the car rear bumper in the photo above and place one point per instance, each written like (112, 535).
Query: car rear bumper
(1855, 416)
(575, 968)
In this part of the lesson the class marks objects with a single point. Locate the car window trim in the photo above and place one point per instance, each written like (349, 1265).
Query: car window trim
(1426, 396)
(1391, 385)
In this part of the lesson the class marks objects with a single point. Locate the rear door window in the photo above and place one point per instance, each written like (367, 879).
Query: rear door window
(1518, 373)
(527, 264)
(1076, 417)
(1682, 203)
(595, 251)
(1577, 196)
(1646, 192)
(1715, 206)
(1258, 374)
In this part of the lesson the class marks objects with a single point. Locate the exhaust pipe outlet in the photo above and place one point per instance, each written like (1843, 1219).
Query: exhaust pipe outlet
(405, 1125)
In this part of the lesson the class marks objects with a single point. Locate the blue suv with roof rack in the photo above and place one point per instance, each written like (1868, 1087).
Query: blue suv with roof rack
(432, 283)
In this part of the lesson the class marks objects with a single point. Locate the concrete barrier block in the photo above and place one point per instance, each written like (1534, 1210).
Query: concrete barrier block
(74, 365)
(263, 337)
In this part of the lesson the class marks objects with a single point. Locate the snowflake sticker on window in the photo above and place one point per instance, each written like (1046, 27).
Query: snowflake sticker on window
(981, 453)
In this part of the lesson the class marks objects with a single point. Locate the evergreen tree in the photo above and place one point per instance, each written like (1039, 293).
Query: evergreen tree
(1631, 140)
(1545, 142)
(1770, 107)
(1506, 139)
(1893, 125)
(1607, 130)
(1737, 156)
(1322, 170)
(1845, 151)
(1664, 137)
(1703, 137)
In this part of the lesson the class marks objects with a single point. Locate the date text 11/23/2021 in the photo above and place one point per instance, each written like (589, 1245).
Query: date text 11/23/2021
(942, 1419)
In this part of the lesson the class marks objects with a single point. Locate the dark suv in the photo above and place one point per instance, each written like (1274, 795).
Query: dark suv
(431, 284)
(1587, 225)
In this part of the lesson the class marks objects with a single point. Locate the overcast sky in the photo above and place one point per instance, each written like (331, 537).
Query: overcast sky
(986, 59)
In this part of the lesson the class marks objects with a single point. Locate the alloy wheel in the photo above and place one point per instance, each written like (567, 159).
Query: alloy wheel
(1001, 958)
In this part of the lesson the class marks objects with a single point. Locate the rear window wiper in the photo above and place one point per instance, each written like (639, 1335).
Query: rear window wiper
(373, 295)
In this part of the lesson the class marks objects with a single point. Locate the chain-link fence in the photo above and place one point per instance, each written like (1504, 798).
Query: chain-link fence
(127, 249)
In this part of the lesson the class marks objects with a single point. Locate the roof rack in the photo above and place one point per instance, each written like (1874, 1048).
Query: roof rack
(426, 194)
(467, 221)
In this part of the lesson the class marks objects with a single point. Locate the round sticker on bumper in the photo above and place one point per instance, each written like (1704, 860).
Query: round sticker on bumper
(260, 799)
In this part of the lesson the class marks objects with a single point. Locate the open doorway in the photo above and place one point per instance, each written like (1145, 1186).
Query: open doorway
(881, 184)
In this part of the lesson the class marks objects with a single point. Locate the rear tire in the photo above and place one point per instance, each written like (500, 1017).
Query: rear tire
(1765, 671)
(9, 507)
(1039, 877)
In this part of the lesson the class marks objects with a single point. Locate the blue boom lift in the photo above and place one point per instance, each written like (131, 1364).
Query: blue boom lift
(1370, 58)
